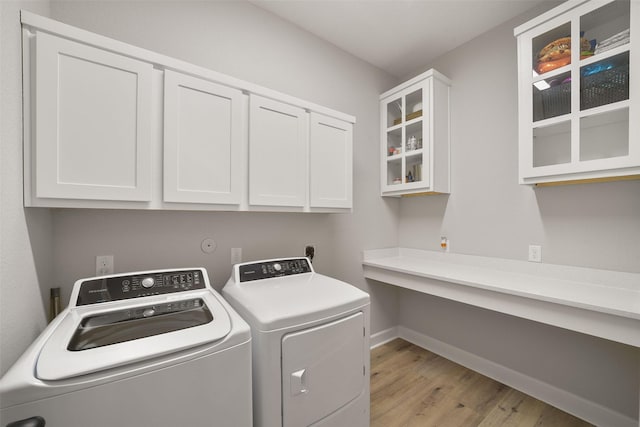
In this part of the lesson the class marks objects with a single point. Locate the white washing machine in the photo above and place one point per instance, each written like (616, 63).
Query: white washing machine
(310, 344)
(154, 348)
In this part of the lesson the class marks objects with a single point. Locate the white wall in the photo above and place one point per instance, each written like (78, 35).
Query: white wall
(489, 214)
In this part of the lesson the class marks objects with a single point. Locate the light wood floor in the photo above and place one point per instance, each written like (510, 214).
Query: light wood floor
(411, 386)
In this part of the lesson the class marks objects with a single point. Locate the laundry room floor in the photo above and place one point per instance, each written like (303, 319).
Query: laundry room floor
(411, 386)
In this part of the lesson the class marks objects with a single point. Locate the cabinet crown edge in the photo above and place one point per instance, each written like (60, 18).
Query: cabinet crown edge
(420, 77)
(37, 23)
(546, 16)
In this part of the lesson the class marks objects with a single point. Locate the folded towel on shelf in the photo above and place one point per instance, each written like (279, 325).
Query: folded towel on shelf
(614, 41)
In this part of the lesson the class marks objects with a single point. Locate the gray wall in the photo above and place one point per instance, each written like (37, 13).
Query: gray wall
(26, 236)
(238, 39)
(489, 214)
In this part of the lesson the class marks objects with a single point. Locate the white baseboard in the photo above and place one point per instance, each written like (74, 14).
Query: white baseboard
(568, 402)
(383, 337)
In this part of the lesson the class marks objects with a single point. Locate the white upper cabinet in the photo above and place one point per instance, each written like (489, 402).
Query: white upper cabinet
(91, 139)
(202, 141)
(414, 137)
(330, 162)
(110, 125)
(277, 153)
(578, 93)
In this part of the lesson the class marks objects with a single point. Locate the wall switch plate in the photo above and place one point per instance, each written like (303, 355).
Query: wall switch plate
(104, 265)
(535, 253)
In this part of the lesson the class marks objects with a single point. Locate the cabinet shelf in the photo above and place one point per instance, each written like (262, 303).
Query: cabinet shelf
(605, 55)
(536, 77)
(412, 121)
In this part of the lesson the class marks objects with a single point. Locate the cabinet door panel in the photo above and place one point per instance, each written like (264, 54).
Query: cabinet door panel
(202, 141)
(92, 129)
(330, 162)
(277, 153)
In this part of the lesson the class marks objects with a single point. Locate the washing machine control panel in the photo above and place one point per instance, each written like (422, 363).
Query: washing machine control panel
(115, 288)
(273, 268)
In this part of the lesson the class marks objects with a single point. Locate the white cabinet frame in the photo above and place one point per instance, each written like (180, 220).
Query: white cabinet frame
(433, 157)
(569, 167)
(167, 143)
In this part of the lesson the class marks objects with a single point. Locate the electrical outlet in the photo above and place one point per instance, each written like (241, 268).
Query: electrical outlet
(104, 265)
(535, 253)
(236, 255)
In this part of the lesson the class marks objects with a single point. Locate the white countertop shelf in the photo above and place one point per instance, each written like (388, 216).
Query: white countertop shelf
(602, 303)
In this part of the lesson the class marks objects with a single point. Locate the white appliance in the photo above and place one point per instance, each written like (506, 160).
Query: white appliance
(310, 339)
(154, 348)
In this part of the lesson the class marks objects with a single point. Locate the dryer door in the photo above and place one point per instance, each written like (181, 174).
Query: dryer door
(322, 369)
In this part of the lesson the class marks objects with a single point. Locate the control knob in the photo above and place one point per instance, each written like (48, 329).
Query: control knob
(277, 267)
(148, 282)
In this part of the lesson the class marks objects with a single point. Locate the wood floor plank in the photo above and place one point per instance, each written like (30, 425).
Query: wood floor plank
(516, 409)
(412, 387)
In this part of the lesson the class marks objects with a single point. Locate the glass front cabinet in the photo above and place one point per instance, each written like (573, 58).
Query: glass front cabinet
(578, 93)
(415, 136)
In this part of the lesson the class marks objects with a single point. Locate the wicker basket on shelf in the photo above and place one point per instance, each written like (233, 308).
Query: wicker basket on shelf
(605, 87)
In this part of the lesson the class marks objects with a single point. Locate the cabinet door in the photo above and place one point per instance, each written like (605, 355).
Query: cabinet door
(92, 123)
(202, 141)
(277, 153)
(330, 162)
(406, 144)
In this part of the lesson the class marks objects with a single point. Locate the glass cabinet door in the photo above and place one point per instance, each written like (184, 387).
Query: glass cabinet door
(578, 91)
(604, 83)
(405, 142)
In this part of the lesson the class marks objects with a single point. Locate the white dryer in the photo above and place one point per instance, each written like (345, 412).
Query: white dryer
(154, 348)
(310, 344)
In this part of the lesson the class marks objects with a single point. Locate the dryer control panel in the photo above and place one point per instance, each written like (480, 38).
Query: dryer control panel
(115, 288)
(273, 268)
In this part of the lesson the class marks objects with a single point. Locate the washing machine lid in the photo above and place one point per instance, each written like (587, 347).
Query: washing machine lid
(279, 302)
(91, 339)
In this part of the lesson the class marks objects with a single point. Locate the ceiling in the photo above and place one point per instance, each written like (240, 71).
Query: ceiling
(398, 36)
